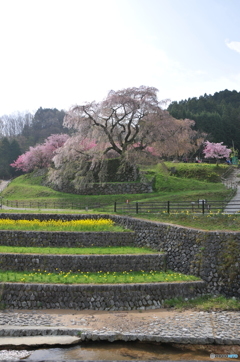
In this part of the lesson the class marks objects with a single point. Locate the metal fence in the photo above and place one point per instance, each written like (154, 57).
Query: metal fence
(23, 204)
(200, 206)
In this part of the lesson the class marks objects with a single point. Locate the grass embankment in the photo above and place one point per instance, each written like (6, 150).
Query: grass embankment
(94, 278)
(98, 225)
(197, 171)
(206, 303)
(110, 250)
(28, 188)
(211, 221)
(190, 182)
(194, 178)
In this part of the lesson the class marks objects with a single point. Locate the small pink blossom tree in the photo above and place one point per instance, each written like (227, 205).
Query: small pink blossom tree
(41, 155)
(216, 150)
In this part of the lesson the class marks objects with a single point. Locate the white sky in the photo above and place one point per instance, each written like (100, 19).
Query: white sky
(57, 53)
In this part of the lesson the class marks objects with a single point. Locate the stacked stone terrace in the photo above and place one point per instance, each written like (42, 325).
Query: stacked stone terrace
(98, 297)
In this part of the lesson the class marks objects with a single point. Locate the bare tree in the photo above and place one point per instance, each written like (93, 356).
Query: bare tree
(12, 125)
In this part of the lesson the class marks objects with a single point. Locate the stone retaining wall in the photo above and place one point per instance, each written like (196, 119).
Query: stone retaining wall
(214, 256)
(97, 297)
(110, 188)
(84, 263)
(65, 239)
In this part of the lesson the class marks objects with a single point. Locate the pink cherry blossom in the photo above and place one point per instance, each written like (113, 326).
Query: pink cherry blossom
(216, 150)
(41, 155)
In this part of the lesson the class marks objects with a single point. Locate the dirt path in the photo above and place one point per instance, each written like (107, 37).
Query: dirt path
(116, 320)
(3, 184)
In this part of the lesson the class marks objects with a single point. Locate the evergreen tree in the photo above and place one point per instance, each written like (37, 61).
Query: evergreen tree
(46, 122)
(15, 152)
(5, 153)
(218, 115)
(9, 152)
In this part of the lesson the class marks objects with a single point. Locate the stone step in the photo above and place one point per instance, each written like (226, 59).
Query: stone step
(38, 341)
(185, 332)
(84, 263)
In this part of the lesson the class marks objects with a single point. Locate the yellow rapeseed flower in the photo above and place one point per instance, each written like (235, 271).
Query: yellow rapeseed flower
(56, 223)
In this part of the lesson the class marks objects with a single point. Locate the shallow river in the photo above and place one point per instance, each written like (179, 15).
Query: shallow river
(119, 351)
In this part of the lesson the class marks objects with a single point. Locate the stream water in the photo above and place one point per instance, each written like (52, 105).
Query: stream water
(122, 351)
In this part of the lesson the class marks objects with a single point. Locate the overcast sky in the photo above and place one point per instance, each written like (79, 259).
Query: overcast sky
(57, 53)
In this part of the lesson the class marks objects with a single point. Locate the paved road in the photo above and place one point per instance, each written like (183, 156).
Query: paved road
(234, 205)
(233, 182)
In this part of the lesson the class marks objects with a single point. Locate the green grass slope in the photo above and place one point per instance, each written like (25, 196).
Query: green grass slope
(189, 182)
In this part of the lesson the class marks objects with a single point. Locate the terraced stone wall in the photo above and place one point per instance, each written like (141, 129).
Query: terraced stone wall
(97, 297)
(84, 263)
(212, 255)
(111, 188)
(65, 239)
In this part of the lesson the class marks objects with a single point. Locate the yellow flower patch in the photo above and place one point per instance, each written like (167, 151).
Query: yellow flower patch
(73, 225)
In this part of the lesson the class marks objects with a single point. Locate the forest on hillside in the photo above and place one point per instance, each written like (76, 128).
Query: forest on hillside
(20, 131)
(218, 115)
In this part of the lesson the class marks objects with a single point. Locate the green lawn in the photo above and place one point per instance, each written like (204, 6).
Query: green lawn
(110, 250)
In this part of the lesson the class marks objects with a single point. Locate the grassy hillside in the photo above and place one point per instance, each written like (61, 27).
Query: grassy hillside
(189, 182)
(195, 171)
